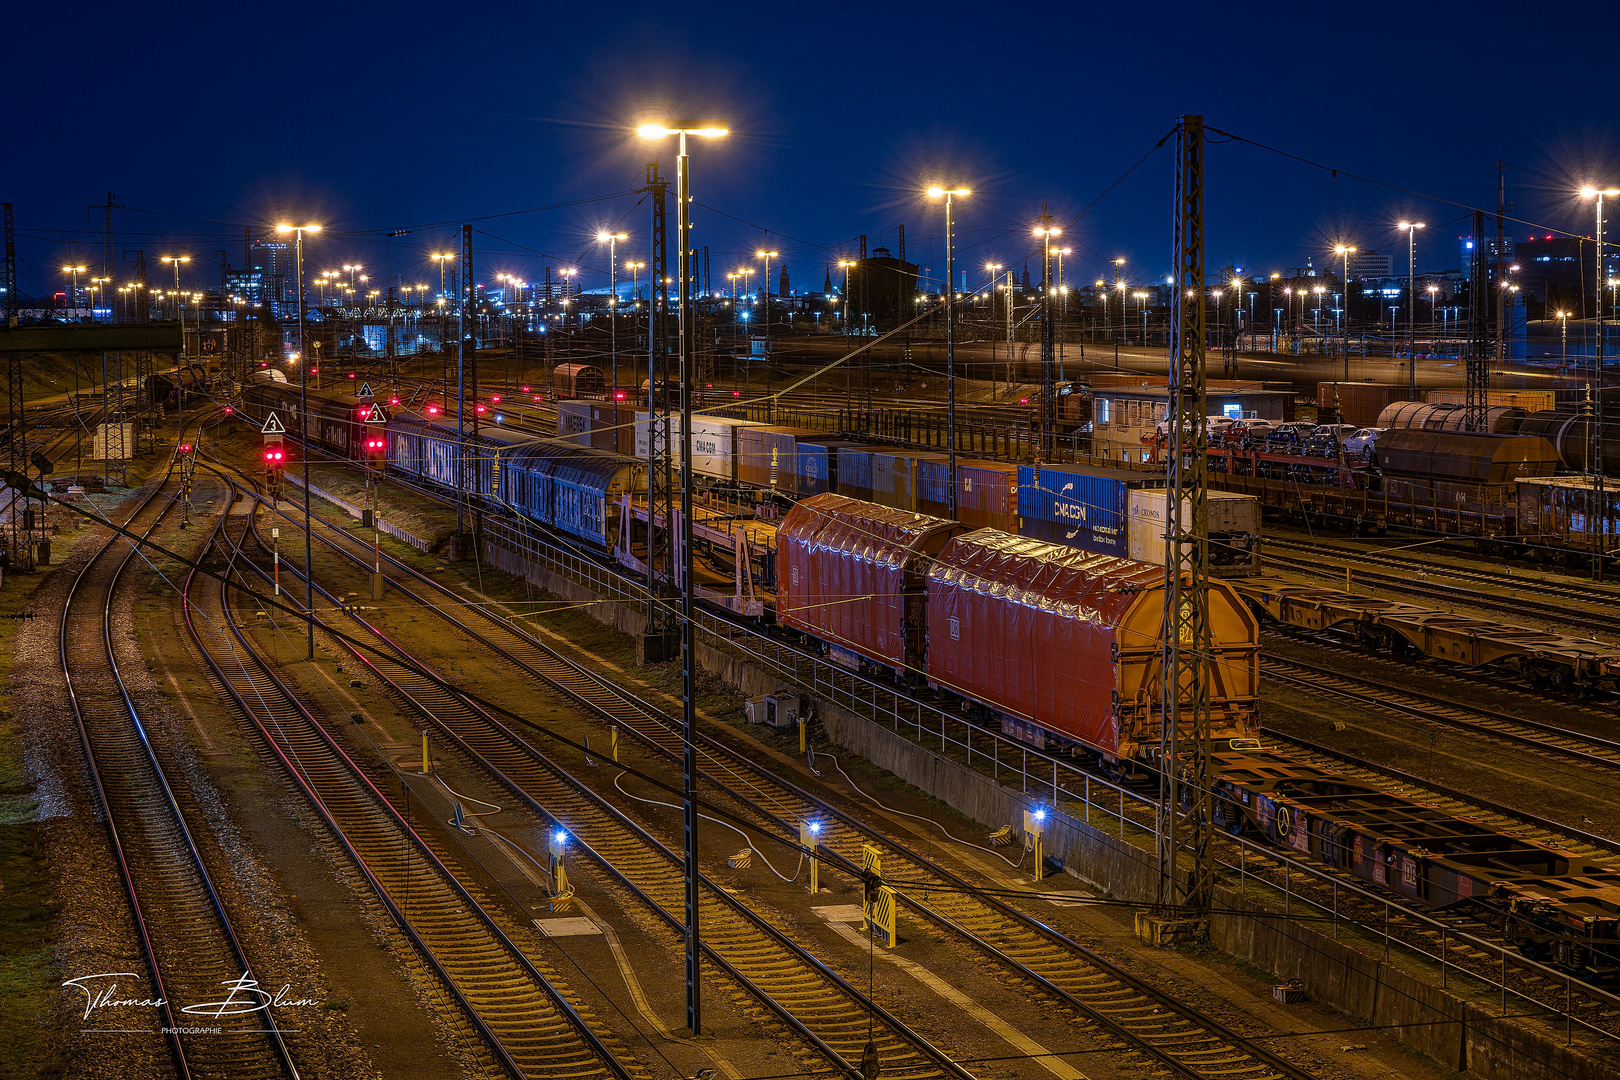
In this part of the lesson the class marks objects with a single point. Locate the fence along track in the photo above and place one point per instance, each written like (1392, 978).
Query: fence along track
(512, 1004)
(190, 946)
(1101, 992)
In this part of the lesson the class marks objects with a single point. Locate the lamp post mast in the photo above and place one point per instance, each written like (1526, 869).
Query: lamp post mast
(950, 339)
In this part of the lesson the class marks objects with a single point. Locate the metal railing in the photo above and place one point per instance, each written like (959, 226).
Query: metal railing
(1308, 891)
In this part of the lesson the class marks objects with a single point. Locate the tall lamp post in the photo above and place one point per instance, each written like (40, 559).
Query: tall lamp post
(948, 194)
(298, 232)
(180, 312)
(1411, 228)
(766, 289)
(612, 241)
(689, 767)
(1045, 232)
(1600, 510)
(1344, 251)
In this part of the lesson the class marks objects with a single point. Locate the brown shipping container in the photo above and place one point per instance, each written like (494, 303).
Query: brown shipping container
(851, 573)
(613, 427)
(894, 478)
(1070, 641)
(767, 457)
(1359, 403)
(1528, 400)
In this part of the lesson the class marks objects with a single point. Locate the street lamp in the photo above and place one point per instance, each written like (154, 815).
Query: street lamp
(73, 273)
(767, 256)
(612, 241)
(1563, 330)
(949, 194)
(689, 766)
(1590, 192)
(1411, 228)
(298, 232)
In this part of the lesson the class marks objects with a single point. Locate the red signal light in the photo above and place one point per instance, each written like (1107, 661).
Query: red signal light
(496, 398)
(525, 389)
(478, 408)
(736, 393)
(433, 410)
(185, 448)
(537, 397)
(351, 374)
(393, 401)
(618, 395)
(1023, 401)
(229, 410)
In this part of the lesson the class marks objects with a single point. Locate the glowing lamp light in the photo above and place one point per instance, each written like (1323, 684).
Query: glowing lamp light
(537, 397)
(229, 410)
(1023, 401)
(185, 448)
(559, 837)
(351, 374)
(433, 410)
(618, 395)
(495, 398)
(815, 826)
(736, 393)
(1040, 815)
(499, 418)
(478, 408)
(525, 389)
(393, 401)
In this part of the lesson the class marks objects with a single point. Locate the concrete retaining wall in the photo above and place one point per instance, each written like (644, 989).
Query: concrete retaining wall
(1456, 1033)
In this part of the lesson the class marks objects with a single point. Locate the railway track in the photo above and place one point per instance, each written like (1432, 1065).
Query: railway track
(1409, 582)
(1096, 990)
(1585, 593)
(1540, 737)
(813, 1001)
(189, 945)
(512, 1007)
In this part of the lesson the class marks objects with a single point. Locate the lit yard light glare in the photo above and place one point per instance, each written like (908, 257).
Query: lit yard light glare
(937, 192)
(1040, 815)
(284, 228)
(1589, 192)
(815, 826)
(682, 127)
(559, 837)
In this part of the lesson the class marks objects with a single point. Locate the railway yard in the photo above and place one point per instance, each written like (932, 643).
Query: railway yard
(412, 805)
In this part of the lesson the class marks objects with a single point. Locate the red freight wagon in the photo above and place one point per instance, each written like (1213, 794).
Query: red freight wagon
(1068, 642)
(851, 574)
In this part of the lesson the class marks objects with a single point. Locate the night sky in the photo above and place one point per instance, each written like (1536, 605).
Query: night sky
(203, 119)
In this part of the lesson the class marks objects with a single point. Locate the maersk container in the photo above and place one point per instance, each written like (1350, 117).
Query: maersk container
(574, 421)
(1234, 530)
(1081, 506)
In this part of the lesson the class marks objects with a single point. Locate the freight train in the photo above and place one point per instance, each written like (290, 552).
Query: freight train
(1057, 645)
(1063, 648)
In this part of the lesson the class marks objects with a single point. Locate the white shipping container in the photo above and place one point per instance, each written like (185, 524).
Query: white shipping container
(714, 442)
(574, 419)
(1234, 530)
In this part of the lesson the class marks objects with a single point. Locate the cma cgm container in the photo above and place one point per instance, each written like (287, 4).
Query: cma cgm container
(767, 457)
(1079, 505)
(714, 443)
(817, 466)
(986, 492)
(851, 574)
(1234, 530)
(1067, 644)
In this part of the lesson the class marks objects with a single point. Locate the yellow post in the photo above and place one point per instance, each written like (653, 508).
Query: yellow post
(807, 840)
(872, 864)
(1034, 830)
(613, 741)
(802, 736)
(426, 765)
(1346, 579)
(560, 893)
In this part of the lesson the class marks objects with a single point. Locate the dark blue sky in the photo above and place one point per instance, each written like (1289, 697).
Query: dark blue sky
(206, 118)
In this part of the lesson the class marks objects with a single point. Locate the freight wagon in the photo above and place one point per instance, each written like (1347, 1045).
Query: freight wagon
(768, 457)
(1060, 646)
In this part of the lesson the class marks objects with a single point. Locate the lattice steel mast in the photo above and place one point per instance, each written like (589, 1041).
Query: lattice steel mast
(1476, 360)
(661, 620)
(1187, 806)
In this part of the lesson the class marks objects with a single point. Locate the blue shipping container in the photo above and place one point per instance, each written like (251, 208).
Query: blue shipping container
(1079, 506)
(817, 466)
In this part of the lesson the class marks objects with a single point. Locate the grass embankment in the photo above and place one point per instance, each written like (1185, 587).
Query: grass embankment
(30, 1046)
